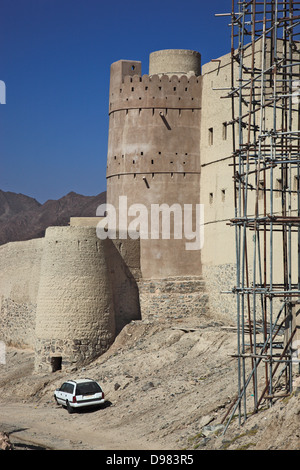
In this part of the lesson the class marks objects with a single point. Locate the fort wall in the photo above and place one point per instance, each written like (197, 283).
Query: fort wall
(69, 294)
(86, 295)
(170, 142)
(19, 282)
(153, 153)
(217, 188)
(75, 316)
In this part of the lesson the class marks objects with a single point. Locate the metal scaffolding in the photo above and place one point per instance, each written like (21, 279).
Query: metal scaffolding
(265, 85)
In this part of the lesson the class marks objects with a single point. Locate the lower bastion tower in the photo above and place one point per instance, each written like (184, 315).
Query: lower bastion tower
(153, 151)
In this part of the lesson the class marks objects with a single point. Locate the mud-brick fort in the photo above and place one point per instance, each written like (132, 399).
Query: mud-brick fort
(69, 294)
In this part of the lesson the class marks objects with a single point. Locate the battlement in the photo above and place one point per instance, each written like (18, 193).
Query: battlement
(155, 91)
(145, 110)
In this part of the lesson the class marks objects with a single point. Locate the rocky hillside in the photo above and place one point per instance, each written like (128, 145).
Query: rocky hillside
(24, 218)
(168, 385)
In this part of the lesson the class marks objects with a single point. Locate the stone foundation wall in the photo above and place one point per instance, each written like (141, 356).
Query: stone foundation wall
(173, 297)
(72, 352)
(218, 280)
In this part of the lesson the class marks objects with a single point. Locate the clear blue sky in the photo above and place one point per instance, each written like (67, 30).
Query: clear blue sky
(55, 58)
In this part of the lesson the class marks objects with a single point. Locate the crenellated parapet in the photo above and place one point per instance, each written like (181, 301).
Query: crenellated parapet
(154, 122)
(156, 92)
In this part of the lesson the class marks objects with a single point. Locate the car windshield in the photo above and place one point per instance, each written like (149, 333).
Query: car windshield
(86, 388)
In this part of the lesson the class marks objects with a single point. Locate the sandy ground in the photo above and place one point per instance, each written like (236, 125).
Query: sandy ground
(168, 386)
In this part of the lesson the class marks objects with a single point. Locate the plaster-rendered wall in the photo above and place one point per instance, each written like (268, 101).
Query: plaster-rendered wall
(87, 294)
(123, 262)
(75, 315)
(19, 281)
(217, 188)
(153, 155)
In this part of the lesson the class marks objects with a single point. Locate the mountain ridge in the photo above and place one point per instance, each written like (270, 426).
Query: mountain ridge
(23, 217)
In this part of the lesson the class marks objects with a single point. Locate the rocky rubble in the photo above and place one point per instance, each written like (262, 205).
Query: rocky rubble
(5, 443)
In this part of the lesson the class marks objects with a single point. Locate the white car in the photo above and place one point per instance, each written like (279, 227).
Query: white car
(74, 394)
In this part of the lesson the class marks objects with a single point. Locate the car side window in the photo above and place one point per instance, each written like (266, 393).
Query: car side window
(69, 388)
(63, 387)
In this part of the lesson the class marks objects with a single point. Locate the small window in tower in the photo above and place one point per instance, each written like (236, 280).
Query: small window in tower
(223, 191)
(210, 136)
(132, 88)
(224, 131)
(185, 89)
(146, 88)
(133, 161)
(121, 90)
(142, 153)
(152, 162)
(174, 88)
(261, 188)
(133, 67)
(278, 187)
(211, 198)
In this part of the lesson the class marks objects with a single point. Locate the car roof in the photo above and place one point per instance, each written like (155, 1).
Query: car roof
(78, 381)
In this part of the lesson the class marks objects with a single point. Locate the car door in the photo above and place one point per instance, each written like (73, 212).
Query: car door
(68, 393)
(61, 394)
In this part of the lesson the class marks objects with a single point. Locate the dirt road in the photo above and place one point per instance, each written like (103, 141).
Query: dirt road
(167, 387)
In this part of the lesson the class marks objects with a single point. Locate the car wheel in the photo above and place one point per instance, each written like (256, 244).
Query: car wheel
(69, 408)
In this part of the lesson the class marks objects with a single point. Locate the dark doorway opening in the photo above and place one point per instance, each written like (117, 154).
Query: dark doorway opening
(56, 363)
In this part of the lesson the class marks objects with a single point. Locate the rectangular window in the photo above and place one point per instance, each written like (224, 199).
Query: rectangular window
(211, 198)
(224, 131)
(261, 189)
(210, 136)
(278, 187)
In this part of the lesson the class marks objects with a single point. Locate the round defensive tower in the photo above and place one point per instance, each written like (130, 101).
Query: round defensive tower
(175, 62)
(75, 317)
(154, 150)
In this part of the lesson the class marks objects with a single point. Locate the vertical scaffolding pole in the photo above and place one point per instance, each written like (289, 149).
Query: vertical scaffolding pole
(265, 65)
